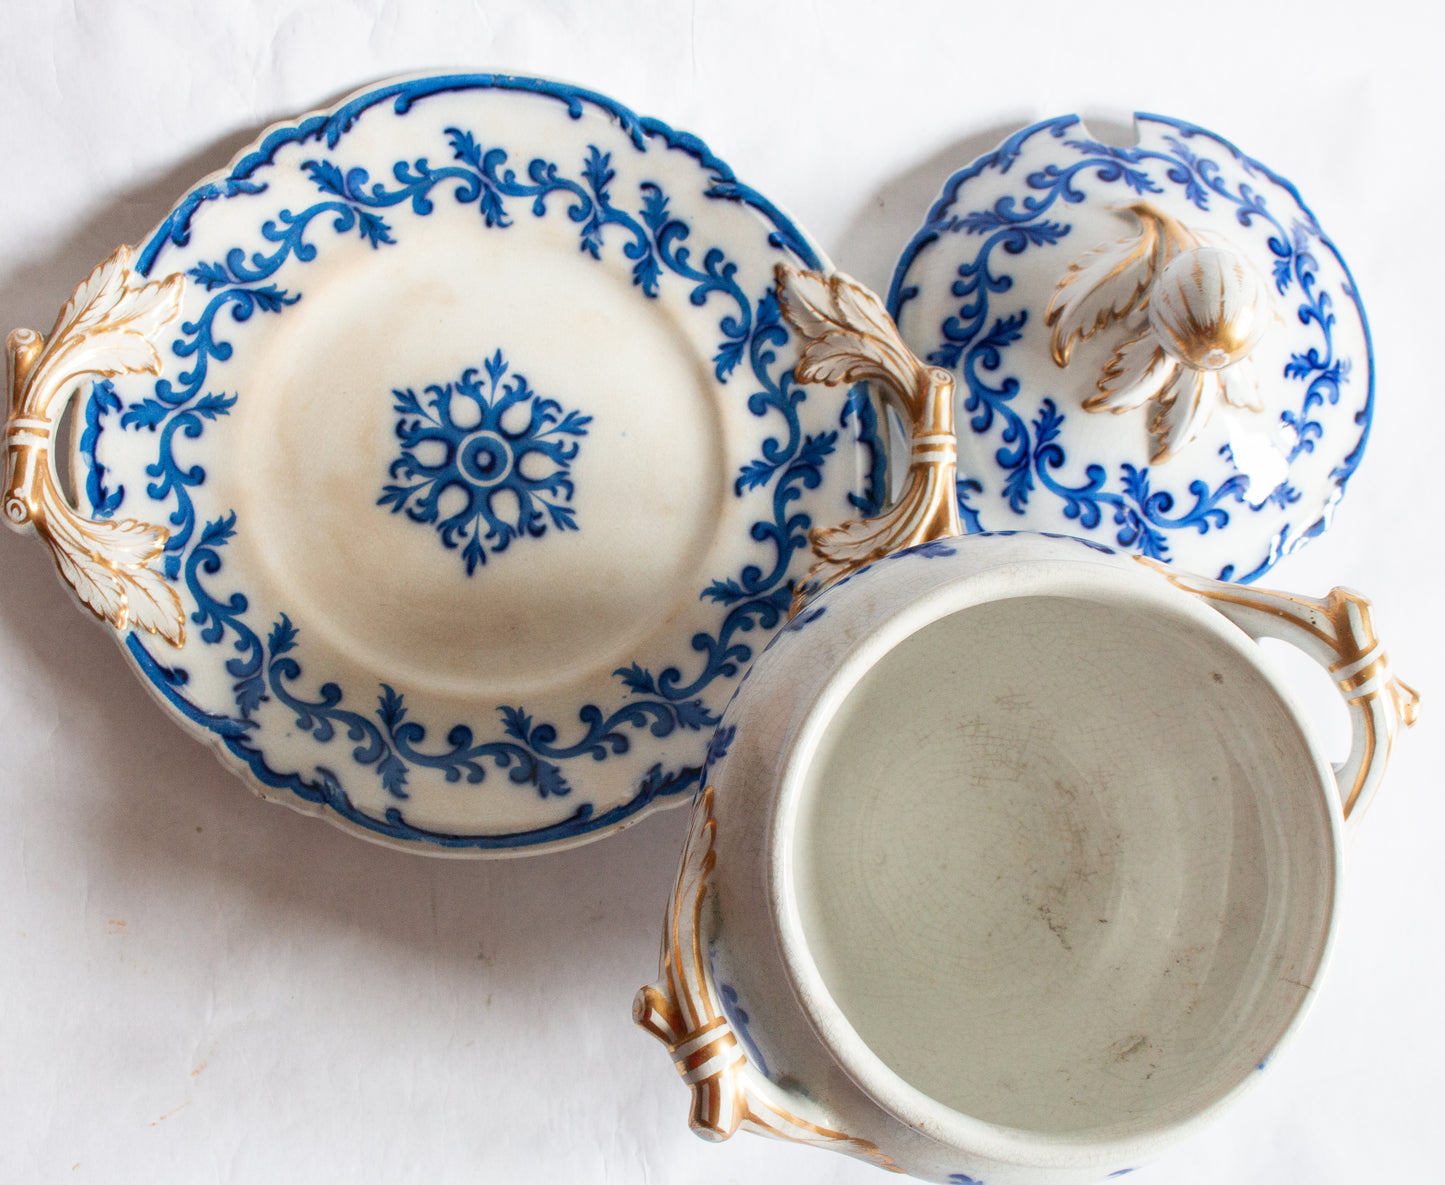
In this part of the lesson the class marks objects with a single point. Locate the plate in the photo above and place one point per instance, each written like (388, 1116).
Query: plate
(1046, 277)
(467, 414)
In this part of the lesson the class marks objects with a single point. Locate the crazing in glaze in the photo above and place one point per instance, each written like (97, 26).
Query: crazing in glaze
(947, 879)
(684, 1011)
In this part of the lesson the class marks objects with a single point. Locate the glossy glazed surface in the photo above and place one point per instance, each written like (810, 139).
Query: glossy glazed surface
(1063, 867)
(1038, 277)
(274, 951)
(482, 461)
(995, 877)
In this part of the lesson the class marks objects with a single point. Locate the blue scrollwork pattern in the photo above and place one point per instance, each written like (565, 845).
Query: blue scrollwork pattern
(266, 666)
(975, 339)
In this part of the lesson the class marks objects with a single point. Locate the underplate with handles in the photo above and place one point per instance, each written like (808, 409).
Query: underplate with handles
(1156, 347)
(441, 462)
(1013, 862)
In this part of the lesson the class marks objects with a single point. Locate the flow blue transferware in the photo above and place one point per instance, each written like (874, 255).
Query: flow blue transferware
(1042, 278)
(483, 467)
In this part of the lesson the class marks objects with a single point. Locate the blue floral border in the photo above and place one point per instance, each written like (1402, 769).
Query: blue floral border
(266, 667)
(1029, 450)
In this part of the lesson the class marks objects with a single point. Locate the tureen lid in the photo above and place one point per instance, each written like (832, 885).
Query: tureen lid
(1156, 346)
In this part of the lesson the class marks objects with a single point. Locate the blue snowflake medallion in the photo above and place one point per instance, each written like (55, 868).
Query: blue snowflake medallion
(485, 459)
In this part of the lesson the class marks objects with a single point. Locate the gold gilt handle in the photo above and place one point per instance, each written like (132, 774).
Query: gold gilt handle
(108, 327)
(1338, 632)
(849, 337)
(682, 1010)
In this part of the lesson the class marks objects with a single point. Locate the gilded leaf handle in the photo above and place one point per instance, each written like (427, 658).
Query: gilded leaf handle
(1338, 632)
(849, 337)
(108, 327)
(682, 1010)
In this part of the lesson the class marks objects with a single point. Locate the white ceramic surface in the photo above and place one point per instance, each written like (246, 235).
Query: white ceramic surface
(1015, 862)
(318, 1004)
(1058, 278)
(441, 459)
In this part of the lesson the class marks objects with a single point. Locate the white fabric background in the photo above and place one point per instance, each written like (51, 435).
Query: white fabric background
(200, 987)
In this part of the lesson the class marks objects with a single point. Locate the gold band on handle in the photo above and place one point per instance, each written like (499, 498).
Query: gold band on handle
(108, 327)
(682, 1010)
(1337, 631)
(849, 337)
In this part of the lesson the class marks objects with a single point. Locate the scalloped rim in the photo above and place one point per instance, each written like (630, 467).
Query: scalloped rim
(927, 233)
(333, 121)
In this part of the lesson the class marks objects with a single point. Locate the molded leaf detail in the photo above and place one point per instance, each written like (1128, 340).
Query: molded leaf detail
(1108, 283)
(1134, 375)
(849, 335)
(1240, 387)
(107, 327)
(1185, 404)
(107, 566)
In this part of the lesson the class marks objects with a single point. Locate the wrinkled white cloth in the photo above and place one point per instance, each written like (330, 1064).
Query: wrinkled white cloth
(200, 987)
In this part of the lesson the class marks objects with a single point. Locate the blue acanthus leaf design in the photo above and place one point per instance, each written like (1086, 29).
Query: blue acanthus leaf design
(216, 617)
(392, 771)
(648, 269)
(103, 401)
(693, 714)
(483, 176)
(497, 444)
(860, 407)
(599, 176)
(966, 487)
(390, 706)
(1029, 453)
(184, 410)
(283, 637)
(211, 275)
(659, 244)
(754, 475)
(516, 722)
(636, 678)
(1188, 171)
(1141, 515)
(393, 747)
(147, 413)
(209, 406)
(327, 176)
(727, 592)
(1283, 495)
(1283, 273)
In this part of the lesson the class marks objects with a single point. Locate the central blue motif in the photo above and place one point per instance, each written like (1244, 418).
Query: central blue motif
(484, 453)
(632, 220)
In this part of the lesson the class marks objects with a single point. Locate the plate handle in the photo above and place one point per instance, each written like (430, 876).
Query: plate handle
(107, 327)
(849, 337)
(1338, 632)
(683, 1011)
